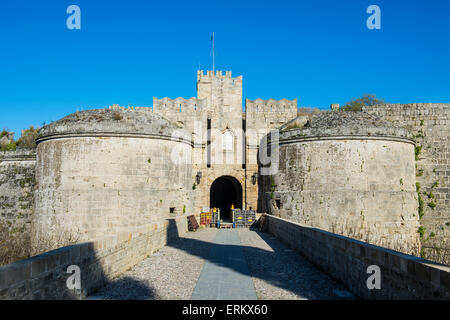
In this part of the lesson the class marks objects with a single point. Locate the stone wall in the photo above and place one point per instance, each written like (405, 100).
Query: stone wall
(346, 260)
(44, 276)
(17, 182)
(351, 174)
(100, 176)
(105, 185)
(430, 123)
(269, 114)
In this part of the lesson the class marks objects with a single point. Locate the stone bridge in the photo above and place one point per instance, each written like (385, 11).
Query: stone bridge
(276, 259)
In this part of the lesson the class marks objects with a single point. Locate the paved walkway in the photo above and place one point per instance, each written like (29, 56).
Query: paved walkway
(224, 264)
(225, 275)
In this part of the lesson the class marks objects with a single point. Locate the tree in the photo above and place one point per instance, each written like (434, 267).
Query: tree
(365, 100)
(27, 140)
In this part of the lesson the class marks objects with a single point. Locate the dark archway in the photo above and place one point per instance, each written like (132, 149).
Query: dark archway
(225, 191)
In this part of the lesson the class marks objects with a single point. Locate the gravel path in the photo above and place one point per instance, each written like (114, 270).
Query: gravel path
(173, 271)
(279, 273)
(169, 274)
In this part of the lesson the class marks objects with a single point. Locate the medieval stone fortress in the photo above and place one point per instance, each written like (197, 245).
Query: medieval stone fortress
(341, 187)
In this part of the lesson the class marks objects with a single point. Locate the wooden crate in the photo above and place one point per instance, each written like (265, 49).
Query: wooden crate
(192, 223)
(226, 225)
(205, 218)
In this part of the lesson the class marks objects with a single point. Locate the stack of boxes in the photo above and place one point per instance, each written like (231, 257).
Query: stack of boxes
(205, 217)
(215, 219)
(210, 217)
(243, 218)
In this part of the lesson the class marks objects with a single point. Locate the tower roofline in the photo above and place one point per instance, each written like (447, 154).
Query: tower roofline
(210, 73)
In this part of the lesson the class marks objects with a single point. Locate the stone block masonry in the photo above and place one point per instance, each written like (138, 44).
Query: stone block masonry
(44, 276)
(17, 182)
(430, 123)
(346, 260)
(351, 174)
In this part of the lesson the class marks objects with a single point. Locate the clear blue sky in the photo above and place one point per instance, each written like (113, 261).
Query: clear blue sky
(126, 52)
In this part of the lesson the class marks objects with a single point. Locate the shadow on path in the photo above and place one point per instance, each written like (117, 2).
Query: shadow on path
(281, 267)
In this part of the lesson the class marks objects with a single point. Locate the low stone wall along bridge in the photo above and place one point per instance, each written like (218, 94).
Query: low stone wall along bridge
(276, 259)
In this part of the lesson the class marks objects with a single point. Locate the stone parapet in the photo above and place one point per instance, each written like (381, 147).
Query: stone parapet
(44, 276)
(347, 260)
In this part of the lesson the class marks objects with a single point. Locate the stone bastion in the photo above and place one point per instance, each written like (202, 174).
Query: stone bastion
(350, 173)
(105, 172)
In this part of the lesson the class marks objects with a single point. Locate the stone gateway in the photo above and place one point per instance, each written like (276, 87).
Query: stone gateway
(124, 180)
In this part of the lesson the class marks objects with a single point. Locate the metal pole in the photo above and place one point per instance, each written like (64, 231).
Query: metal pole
(214, 62)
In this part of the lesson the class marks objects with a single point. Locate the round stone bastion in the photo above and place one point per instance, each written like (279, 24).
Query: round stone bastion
(349, 173)
(102, 172)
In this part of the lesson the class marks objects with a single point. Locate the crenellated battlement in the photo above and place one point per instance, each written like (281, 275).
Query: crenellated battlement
(178, 105)
(201, 75)
(270, 105)
(219, 79)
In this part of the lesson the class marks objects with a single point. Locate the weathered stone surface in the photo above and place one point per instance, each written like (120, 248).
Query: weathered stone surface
(422, 280)
(45, 276)
(99, 182)
(430, 125)
(17, 182)
(349, 173)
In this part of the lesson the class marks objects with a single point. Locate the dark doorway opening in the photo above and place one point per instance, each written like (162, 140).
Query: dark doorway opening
(226, 191)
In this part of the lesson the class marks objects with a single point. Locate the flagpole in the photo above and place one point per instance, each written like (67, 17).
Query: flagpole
(214, 62)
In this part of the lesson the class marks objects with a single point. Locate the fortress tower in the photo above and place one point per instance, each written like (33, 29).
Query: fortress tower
(225, 137)
(223, 94)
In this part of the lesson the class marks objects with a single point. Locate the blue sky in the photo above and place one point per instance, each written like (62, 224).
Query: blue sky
(127, 52)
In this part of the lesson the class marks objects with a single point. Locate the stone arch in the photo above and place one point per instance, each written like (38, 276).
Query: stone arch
(224, 192)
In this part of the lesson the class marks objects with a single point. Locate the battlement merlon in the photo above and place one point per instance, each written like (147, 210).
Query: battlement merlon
(270, 105)
(168, 105)
(209, 76)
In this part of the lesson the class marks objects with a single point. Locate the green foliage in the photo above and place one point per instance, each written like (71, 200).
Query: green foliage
(184, 209)
(421, 203)
(365, 100)
(430, 195)
(421, 231)
(401, 181)
(3, 133)
(435, 184)
(417, 152)
(194, 186)
(419, 173)
(422, 253)
(432, 204)
(419, 134)
(420, 210)
(28, 138)
(8, 147)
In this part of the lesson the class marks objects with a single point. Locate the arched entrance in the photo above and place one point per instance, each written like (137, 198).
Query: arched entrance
(225, 191)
